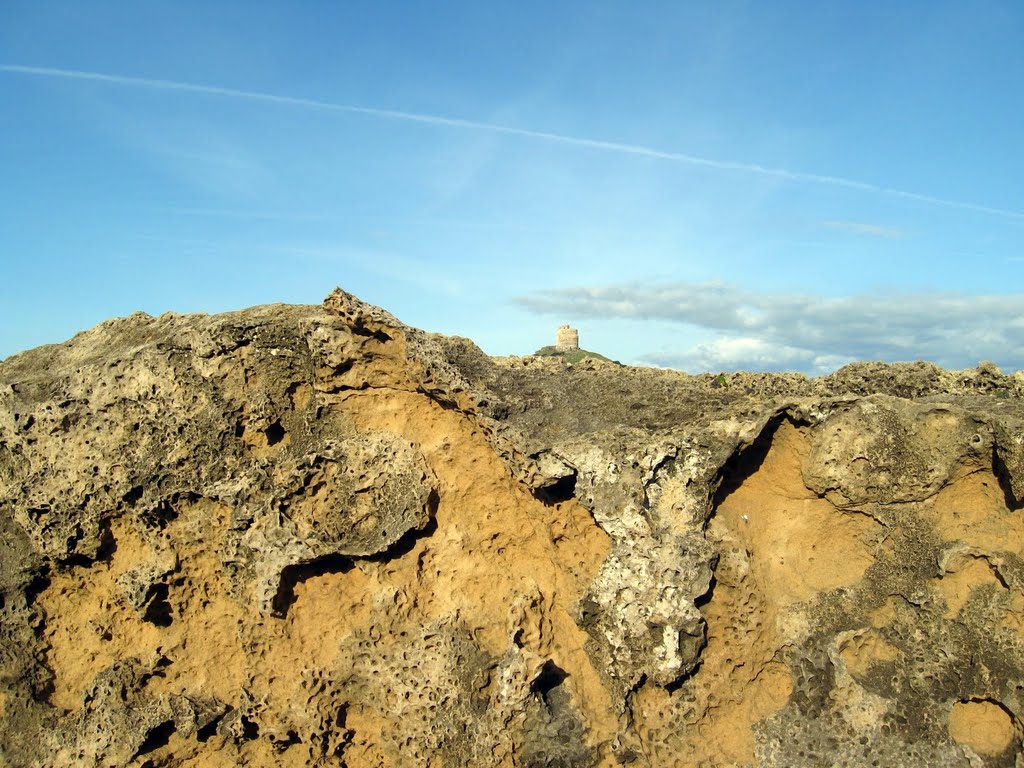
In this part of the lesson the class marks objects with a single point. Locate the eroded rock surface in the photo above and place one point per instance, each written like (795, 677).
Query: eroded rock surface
(315, 536)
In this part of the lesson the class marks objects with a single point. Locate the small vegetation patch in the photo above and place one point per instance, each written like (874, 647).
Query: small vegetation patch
(572, 355)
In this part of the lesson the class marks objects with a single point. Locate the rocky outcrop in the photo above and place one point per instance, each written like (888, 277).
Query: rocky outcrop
(315, 536)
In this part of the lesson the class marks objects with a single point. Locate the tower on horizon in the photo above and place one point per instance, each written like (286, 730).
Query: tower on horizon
(567, 339)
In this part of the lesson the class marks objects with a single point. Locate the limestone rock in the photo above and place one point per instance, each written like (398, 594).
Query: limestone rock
(316, 536)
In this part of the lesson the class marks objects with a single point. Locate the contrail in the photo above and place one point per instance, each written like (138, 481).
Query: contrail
(559, 138)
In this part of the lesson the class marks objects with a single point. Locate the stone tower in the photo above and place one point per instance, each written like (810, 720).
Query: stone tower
(567, 339)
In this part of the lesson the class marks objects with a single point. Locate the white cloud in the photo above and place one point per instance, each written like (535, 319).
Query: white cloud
(775, 331)
(747, 354)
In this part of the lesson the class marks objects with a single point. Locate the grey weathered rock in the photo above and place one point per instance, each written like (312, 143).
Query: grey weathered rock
(313, 535)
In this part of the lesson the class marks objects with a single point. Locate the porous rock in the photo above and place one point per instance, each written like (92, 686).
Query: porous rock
(316, 536)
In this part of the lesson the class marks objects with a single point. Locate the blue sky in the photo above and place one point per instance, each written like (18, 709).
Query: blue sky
(709, 186)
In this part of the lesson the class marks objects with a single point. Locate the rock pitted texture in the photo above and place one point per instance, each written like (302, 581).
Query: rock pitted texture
(315, 536)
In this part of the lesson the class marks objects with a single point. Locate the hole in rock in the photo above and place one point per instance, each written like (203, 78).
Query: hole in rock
(561, 490)
(292, 575)
(361, 330)
(702, 600)
(158, 609)
(108, 544)
(133, 495)
(208, 730)
(275, 433)
(157, 737)
(745, 462)
(250, 730)
(407, 541)
(550, 677)
(1002, 473)
(40, 583)
(290, 740)
(680, 681)
(166, 510)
